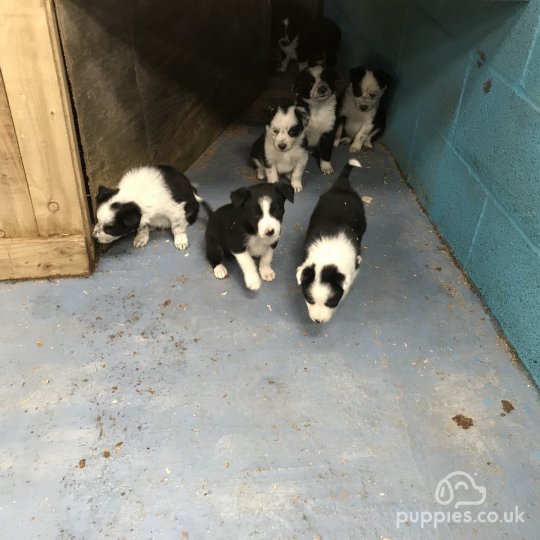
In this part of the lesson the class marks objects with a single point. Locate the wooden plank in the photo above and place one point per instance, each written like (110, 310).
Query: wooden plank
(27, 258)
(16, 211)
(34, 77)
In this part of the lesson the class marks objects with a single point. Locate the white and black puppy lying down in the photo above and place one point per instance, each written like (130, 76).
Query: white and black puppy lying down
(314, 41)
(248, 227)
(282, 148)
(147, 197)
(362, 113)
(315, 88)
(332, 247)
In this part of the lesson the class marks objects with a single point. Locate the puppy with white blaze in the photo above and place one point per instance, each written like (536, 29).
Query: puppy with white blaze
(362, 114)
(332, 247)
(147, 197)
(282, 148)
(315, 89)
(248, 227)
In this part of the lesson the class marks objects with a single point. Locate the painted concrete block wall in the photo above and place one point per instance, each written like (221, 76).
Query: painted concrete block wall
(465, 129)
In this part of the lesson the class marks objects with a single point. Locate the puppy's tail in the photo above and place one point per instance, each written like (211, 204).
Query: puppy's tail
(203, 203)
(343, 181)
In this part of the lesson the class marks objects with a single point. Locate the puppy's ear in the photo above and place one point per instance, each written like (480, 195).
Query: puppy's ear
(270, 112)
(104, 194)
(240, 196)
(286, 190)
(305, 274)
(304, 115)
(130, 214)
(357, 74)
(383, 79)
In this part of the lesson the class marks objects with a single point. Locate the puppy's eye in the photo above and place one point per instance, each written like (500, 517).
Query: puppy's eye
(373, 95)
(310, 301)
(275, 130)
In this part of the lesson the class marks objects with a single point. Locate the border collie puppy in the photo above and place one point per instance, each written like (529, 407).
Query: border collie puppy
(248, 227)
(316, 93)
(362, 115)
(147, 197)
(332, 247)
(282, 148)
(315, 41)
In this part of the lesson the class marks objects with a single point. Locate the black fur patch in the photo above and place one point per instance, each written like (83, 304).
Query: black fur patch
(306, 279)
(334, 279)
(105, 193)
(126, 220)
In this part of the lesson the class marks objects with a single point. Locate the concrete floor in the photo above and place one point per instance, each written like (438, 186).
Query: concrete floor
(154, 401)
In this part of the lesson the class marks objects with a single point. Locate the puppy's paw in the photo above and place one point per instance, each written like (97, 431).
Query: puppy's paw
(140, 240)
(326, 167)
(267, 274)
(260, 175)
(253, 281)
(220, 271)
(297, 186)
(345, 140)
(354, 148)
(368, 144)
(181, 241)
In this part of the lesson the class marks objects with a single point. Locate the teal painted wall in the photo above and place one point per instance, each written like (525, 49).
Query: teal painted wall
(465, 129)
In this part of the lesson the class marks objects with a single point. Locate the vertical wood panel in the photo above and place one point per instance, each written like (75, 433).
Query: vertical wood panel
(16, 211)
(33, 70)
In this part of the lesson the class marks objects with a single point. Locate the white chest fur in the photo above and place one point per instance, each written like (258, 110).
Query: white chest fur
(322, 119)
(284, 162)
(355, 119)
(257, 246)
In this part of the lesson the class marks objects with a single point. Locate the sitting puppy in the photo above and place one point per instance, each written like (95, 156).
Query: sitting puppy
(332, 247)
(362, 114)
(315, 41)
(282, 148)
(315, 91)
(247, 228)
(157, 197)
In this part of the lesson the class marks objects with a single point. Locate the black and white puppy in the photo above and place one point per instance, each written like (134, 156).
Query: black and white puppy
(315, 41)
(248, 227)
(315, 88)
(332, 247)
(282, 148)
(362, 114)
(147, 197)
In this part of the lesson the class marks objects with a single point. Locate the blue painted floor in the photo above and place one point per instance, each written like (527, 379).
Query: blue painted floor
(151, 400)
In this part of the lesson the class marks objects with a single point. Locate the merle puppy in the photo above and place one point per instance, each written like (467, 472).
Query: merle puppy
(332, 247)
(248, 227)
(315, 41)
(282, 148)
(315, 88)
(147, 197)
(362, 114)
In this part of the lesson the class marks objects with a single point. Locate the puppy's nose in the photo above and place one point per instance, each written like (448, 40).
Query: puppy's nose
(318, 321)
(282, 145)
(269, 232)
(363, 107)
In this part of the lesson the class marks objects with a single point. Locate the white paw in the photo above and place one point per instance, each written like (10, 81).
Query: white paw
(297, 186)
(181, 241)
(336, 143)
(267, 274)
(326, 167)
(272, 179)
(354, 148)
(141, 240)
(253, 281)
(345, 140)
(368, 144)
(260, 175)
(220, 271)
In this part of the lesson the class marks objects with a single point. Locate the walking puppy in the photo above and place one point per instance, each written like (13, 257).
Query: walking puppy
(282, 148)
(362, 115)
(332, 247)
(316, 93)
(315, 41)
(248, 227)
(147, 197)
